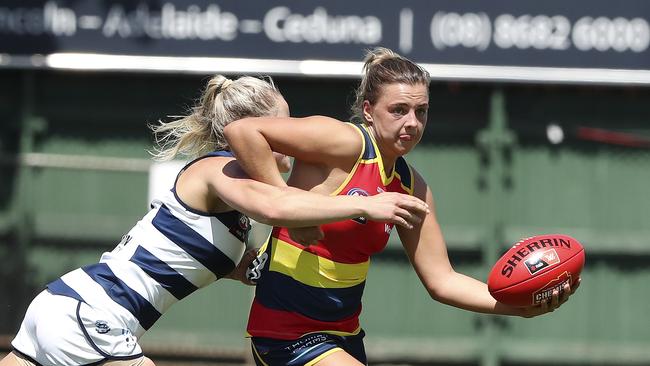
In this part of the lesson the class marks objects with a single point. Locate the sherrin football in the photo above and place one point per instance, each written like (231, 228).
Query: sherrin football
(529, 272)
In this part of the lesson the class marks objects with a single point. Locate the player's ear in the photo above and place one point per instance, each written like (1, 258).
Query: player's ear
(367, 111)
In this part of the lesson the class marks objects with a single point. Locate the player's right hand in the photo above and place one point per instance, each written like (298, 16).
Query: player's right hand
(397, 208)
(557, 299)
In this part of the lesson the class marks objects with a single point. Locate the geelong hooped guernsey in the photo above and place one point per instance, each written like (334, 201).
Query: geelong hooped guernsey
(173, 251)
(318, 288)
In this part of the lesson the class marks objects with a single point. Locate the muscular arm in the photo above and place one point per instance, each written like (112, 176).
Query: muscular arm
(292, 207)
(317, 139)
(427, 251)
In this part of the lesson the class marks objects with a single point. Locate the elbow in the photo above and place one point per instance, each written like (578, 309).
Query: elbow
(272, 215)
(231, 130)
(282, 216)
(266, 210)
(435, 292)
(438, 288)
(238, 130)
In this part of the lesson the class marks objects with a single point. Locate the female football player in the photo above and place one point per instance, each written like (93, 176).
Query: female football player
(308, 298)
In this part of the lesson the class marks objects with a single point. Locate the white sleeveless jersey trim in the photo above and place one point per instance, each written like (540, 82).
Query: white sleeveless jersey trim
(171, 252)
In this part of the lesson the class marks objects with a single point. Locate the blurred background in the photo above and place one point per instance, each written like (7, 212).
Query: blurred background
(539, 123)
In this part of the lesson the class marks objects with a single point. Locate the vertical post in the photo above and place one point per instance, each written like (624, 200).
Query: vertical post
(493, 142)
(23, 207)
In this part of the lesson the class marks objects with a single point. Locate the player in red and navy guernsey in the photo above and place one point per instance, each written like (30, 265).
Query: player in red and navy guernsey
(308, 298)
(322, 283)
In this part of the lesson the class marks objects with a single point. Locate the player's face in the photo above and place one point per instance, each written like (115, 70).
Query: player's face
(398, 117)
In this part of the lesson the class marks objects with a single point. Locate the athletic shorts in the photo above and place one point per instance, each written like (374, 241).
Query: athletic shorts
(25, 361)
(306, 350)
(62, 331)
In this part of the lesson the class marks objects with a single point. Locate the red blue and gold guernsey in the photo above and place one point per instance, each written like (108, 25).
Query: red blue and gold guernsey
(318, 288)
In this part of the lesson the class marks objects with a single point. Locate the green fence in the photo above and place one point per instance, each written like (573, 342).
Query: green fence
(74, 178)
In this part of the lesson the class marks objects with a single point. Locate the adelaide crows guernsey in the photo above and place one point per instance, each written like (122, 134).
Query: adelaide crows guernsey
(318, 288)
(171, 252)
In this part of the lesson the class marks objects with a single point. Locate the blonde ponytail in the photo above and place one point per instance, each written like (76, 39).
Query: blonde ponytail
(223, 101)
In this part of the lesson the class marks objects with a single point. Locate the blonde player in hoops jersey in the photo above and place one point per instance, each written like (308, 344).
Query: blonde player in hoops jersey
(308, 298)
(193, 235)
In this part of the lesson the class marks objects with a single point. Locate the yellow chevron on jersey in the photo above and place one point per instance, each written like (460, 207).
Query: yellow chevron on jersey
(312, 270)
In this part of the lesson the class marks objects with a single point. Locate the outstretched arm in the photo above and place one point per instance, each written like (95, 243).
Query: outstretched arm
(427, 251)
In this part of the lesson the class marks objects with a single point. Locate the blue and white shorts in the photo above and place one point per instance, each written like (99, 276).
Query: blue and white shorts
(62, 331)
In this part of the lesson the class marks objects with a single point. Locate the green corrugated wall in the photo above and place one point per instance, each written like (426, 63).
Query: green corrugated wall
(494, 176)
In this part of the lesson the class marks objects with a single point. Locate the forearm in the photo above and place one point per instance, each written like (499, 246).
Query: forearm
(465, 292)
(296, 208)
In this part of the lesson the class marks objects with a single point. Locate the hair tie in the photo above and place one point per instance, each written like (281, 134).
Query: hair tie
(226, 84)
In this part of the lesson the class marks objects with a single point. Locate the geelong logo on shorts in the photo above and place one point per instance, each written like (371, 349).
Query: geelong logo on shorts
(102, 327)
(358, 192)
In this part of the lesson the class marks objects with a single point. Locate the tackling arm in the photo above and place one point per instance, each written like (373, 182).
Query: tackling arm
(292, 207)
(317, 139)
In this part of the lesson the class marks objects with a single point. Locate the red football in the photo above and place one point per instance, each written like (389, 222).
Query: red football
(532, 269)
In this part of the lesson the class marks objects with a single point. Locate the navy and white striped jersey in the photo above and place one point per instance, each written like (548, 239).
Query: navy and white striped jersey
(171, 252)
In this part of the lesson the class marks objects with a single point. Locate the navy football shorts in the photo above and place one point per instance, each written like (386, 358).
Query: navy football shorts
(306, 350)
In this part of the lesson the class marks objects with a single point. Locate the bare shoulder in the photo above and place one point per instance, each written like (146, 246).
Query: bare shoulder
(216, 173)
(217, 168)
(196, 184)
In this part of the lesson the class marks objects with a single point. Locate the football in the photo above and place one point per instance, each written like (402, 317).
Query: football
(529, 272)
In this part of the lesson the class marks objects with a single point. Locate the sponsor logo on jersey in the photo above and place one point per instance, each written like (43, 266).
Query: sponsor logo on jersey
(123, 242)
(102, 327)
(541, 260)
(244, 222)
(358, 192)
(125, 239)
(241, 228)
